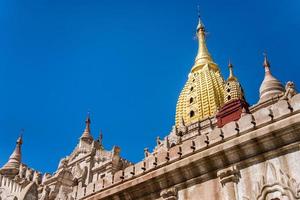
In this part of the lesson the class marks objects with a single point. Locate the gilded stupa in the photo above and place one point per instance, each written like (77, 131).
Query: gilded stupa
(233, 89)
(203, 93)
(234, 101)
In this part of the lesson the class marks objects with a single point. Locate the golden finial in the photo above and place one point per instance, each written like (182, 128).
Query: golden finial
(231, 76)
(229, 63)
(203, 56)
(200, 25)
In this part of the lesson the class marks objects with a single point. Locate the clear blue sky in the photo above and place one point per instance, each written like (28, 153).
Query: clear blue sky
(126, 62)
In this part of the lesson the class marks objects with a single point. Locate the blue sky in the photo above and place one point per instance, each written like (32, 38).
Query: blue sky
(125, 62)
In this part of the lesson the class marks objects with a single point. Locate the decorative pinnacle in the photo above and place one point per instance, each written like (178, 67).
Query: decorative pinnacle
(20, 139)
(100, 138)
(88, 121)
(266, 61)
(229, 64)
(200, 25)
(231, 75)
(87, 131)
(203, 56)
(14, 160)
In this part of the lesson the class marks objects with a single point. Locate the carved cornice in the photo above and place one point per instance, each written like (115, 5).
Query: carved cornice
(169, 194)
(229, 175)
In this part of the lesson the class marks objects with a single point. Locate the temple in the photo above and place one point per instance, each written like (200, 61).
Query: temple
(220, 148)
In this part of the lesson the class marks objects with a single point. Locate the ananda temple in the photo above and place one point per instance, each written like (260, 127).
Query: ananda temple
(220, 148)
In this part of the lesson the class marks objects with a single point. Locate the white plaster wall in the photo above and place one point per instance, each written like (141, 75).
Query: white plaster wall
(209, 190)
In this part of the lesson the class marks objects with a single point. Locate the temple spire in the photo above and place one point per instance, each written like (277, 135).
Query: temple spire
(270, 87)
(100, 139)
(231, 75)
(86, 135)
(11, 168)
(203, 56)
(266, 63)
(200, 24)
(234, 100)
(203, 92)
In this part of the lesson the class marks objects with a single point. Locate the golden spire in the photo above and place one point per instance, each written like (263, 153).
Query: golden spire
(203, 93)
(86, 135)
(14, 161)
(203, 56)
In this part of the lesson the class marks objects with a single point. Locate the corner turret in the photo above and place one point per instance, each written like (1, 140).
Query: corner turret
(11, 168)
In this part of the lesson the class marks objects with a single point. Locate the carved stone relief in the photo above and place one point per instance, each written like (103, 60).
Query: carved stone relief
(290, 91)
(275, 184)
(169, 194)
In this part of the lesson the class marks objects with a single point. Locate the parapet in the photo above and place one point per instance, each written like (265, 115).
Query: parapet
(210, 137)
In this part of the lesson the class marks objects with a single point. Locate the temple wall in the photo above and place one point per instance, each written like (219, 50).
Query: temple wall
(208, 190)
(281, 172)
(12, 190)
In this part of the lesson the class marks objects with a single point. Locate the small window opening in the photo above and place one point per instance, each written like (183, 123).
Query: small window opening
(192, 113)
(191, 100)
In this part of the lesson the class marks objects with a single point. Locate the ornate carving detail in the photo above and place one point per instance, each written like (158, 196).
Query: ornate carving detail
(45, 177)
(22, 171)
(78, 152)
(64, 193)
(45, 193)
(231, 174)
(63, 163)
(102, 156)
(37, 177)
(169, 194)
(79, 173)
(275, 184)
(290, 90)
(181, 129)
(29, 174)
(146, 152)
(173, 138)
